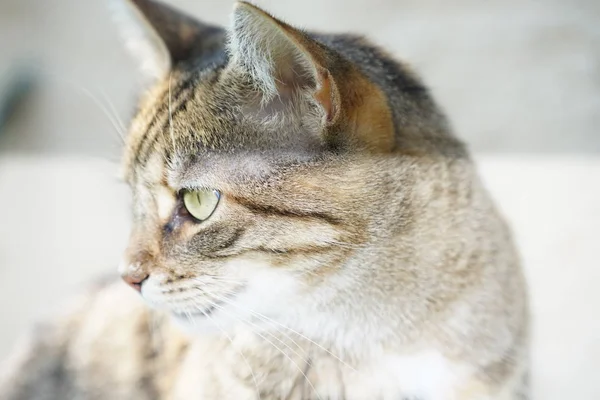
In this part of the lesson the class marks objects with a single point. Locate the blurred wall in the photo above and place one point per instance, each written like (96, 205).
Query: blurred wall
(514, 75)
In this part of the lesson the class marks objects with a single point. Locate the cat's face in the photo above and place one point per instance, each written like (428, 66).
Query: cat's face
(223, 222)
(245, 197)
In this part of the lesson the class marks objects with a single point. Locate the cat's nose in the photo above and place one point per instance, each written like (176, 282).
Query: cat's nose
(134, 269)
(135, 280)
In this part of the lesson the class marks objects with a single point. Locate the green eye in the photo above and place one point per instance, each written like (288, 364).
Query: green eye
(201, 203)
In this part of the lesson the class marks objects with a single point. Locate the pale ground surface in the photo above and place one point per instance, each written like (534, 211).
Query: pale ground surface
(515, 76)
(69, 222)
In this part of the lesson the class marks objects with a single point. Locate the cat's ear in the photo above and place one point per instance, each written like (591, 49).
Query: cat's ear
(283, 61)
(161, 36)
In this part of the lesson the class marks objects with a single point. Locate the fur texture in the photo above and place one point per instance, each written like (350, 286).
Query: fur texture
(354, 253)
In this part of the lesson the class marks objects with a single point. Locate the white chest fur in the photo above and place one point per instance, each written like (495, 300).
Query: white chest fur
(426, 375)
(423, 376)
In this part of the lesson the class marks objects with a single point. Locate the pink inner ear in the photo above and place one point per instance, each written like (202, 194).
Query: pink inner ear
(325, 94)
(288, 89)
(292, 76)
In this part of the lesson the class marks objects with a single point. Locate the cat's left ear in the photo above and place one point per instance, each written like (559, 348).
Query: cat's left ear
(283, 61)
(161, 36)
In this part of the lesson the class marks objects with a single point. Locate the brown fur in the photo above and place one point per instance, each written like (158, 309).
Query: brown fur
(346, 202)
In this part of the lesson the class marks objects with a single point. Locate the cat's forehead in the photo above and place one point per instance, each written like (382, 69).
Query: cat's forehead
(185, 113)
(229, 172)
(200, 128)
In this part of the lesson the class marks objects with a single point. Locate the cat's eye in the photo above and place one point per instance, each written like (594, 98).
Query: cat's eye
(201, 203)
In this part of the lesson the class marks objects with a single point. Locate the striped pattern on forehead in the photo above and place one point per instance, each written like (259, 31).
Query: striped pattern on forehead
(151, 131)
(175, 94)
(145, 128)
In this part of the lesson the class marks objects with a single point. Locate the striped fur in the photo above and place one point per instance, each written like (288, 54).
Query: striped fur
(354, 253)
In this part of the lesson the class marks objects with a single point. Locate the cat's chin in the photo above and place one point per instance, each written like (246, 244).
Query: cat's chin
(207, 323)
(195, 325)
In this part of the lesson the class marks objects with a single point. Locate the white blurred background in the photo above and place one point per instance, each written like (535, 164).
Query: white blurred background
(519, 79)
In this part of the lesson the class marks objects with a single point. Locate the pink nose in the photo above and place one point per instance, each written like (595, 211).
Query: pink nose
(135, 281)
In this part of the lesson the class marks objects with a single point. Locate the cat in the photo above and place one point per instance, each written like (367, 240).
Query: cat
(306, 226)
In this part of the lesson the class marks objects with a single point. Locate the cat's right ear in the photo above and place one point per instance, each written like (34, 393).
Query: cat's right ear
(161, 36)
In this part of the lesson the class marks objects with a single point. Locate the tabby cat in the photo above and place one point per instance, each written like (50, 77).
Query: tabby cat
(306, 226)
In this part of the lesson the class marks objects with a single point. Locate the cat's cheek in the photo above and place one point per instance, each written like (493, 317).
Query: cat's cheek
(269, 290)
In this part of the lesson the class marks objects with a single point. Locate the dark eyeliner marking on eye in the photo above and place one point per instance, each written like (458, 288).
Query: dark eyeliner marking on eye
(233, 239)
(272, 210)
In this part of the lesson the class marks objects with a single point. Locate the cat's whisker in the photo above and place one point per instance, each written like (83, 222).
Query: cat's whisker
(267, 319)
(106, 113)
(171, 117)
(115, 113)
(233, 346)
(218, 279)
(202, 282)
(277, 348)
(188, 315)
(234, 281)
(222, 299)
(117, 125)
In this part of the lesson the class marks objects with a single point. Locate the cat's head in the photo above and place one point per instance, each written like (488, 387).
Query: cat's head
(253, 162)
